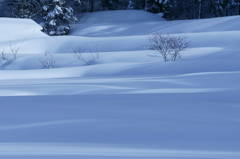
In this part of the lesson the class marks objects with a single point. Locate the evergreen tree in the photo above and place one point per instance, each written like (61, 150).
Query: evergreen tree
(57, 17)
(226, 7)
(154, 6)
(130, 4)
(23, 8)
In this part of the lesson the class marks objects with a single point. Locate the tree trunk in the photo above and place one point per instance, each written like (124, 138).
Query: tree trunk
(91, 5)
(200, 9)
(145, 4)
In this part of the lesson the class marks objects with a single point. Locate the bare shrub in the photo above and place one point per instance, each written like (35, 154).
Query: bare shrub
(168, 46)
(3, 56)
(14, 52)
(6, 58)
(87, 58)
(47, 61)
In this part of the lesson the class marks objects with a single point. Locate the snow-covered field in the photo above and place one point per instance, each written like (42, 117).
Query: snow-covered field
(118, 101)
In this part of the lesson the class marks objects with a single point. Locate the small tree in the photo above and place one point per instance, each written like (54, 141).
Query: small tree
(57, 17)
(168, 46)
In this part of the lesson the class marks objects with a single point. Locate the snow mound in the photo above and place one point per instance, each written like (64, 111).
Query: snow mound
(135, 22)
(230, 23)
(12, 29)
(109, 96)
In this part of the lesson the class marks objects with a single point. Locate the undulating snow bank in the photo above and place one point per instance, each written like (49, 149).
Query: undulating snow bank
(126, 103)
(12, 30)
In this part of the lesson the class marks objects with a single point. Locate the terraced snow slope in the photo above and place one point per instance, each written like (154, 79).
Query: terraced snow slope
(125, 103)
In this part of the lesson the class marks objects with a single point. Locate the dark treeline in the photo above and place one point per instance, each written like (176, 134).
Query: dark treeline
(57, 15)
(86, 5)
(172, 9)
(193, 9)
(96, 5)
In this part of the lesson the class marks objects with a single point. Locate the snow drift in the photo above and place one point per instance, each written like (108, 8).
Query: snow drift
(12, 30)
(127, 103)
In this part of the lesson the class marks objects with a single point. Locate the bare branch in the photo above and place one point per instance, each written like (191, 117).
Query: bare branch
(168, 46)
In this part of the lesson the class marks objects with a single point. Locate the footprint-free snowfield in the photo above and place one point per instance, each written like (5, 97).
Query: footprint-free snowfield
(108, 96)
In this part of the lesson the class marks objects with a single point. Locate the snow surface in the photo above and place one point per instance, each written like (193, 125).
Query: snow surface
(120, 101)
(19, 29)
